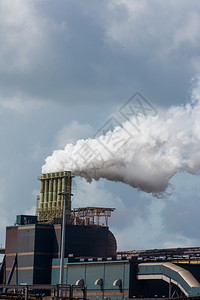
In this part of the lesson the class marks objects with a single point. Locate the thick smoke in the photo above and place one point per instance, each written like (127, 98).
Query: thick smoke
(144, 154)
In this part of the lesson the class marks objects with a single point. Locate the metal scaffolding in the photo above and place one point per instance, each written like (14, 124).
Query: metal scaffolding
(92, 216)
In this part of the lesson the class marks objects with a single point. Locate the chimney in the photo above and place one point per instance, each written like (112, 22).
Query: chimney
(51, 204)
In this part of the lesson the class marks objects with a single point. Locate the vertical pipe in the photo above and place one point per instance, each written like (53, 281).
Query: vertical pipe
(64, 184)
(170, 289)
(84, 292)
(50, 192)
(46, 187)
(26, 293)
(106, 220)
(63, 189)
(104, 273)
(58, 192)
(42, 192)
(62, 254)
(57, 292)
(71, 296)
(68, 190)
(55, 183)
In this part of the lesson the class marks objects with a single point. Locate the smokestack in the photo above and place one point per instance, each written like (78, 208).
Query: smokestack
(51, 203)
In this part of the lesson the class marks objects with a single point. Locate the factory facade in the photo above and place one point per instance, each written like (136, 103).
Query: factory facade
(91, 261)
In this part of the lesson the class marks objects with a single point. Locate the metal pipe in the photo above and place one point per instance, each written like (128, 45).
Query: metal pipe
(62, 253)
(50, 193)
(46, 187)
(66, 188)
(42, 192)
(69, 182)
(26, 293)
(64, 184)
(55, 183)
(59, 191)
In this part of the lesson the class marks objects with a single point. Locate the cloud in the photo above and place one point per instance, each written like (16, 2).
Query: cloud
(177, 240)
(25, 35)
(95, 194)
(100, 51)
(82, 60)
(188, 33)
(20, 104)
(132, 219)
(31, 211)
(20, 35)
(181, 214)
(135, 26)
(123, 24)
(71, 132)
(5, 213)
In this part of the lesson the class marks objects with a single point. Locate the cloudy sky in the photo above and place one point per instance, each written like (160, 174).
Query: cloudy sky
(66, 67)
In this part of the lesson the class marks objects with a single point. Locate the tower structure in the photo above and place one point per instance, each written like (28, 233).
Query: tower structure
(50, 204)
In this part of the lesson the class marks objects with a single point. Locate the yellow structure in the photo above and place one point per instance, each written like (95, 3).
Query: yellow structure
(50, 201)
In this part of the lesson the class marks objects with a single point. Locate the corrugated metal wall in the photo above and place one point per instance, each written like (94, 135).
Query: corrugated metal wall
(32, 245)
(36, 245)
(90, 272)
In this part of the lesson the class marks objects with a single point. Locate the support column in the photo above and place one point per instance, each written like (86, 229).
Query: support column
(62, 254)
(170, 288)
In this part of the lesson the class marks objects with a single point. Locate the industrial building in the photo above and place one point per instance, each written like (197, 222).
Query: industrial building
(74, 249)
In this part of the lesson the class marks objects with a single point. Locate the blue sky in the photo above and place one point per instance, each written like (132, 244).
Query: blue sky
(65, 68)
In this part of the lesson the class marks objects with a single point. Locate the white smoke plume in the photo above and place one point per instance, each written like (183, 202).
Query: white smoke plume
(145, 156)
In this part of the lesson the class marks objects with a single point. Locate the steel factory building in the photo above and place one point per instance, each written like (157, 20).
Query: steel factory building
(74, 252)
